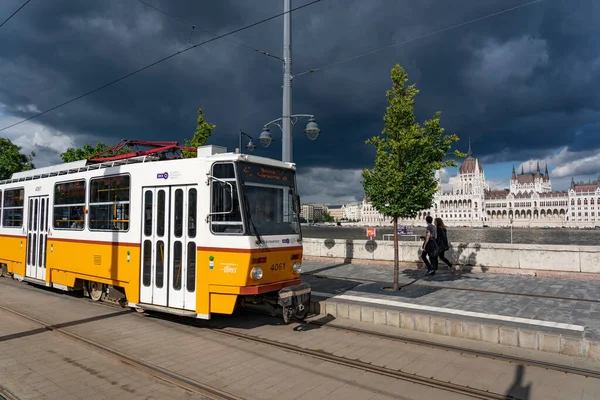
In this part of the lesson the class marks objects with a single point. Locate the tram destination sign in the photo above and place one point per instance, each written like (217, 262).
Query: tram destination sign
(266, 174)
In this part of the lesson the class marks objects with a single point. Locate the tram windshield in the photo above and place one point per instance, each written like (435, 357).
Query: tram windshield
(269, 194)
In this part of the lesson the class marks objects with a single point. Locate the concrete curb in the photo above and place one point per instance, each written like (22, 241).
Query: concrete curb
(486, 331)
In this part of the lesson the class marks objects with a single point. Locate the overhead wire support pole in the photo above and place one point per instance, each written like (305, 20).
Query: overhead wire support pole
(286, 116)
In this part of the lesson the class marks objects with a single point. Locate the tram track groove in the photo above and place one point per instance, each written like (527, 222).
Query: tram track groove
(153, 370)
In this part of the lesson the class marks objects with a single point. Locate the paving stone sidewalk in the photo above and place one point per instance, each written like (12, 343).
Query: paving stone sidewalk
(337, 278)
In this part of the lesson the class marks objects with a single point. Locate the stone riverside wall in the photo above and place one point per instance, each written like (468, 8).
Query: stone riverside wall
(530, 259)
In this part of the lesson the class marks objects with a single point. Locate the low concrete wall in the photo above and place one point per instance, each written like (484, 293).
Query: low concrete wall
(484, 256)
(526, 337)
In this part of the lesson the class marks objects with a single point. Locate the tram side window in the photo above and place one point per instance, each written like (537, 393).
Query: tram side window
(0, 205)
(109, 203)
(69, 205)
(223, 221)
(13, 208)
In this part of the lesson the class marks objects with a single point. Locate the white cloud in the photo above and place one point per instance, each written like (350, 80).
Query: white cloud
(589, 165)
(498, 184)
(330, 186)
(566, 163)
(46, 142)
(444, 175)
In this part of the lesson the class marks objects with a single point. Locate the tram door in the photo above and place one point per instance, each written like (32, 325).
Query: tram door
(37, 237)
(168, 265)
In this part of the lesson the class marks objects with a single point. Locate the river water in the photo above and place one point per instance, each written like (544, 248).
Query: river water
(469, 235)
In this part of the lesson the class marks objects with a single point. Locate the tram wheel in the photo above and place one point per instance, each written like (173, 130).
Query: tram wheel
(301, 316)
(96, 290)
(287, 314)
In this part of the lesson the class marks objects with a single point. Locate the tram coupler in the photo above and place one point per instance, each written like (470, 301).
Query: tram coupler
(295, 301)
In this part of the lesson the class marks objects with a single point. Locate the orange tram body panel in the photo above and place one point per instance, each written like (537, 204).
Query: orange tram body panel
(190, 236)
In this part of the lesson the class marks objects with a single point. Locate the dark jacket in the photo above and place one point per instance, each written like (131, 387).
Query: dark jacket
(442, 239)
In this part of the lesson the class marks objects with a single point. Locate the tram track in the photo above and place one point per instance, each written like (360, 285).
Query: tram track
(462, 350)
(440, 287)
(153, 370)
(214, 393)
(228, 330)
(405, 376)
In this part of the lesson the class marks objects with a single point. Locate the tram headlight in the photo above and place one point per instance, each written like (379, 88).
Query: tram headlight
(257, 273)
(297, 268)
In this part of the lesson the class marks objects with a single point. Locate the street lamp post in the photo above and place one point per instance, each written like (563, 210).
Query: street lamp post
(511, 225)
(250, 146)
(312, 130)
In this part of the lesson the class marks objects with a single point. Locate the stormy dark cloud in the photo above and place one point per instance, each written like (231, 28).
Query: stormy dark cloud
(522, 85)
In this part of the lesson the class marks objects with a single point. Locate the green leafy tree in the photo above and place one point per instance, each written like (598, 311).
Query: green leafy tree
(402, 181)
(203, 132)
(87, 151)
(12, 160)
(326, 216)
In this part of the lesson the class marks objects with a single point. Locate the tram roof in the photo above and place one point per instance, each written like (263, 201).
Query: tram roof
(216, 153)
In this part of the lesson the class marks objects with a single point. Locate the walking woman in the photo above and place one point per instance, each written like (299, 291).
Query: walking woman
(442, 241)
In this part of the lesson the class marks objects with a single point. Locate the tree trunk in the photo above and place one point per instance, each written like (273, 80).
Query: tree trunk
(396, 269)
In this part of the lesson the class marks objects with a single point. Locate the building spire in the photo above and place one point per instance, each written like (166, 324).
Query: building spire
(538, 166)
(514, 174)
(522, 170)
(469, 152)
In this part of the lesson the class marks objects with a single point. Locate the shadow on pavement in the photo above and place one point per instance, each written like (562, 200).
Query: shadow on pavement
(518, 390)
(61, 325)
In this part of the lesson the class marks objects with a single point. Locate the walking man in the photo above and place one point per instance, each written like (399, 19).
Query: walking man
(430, 247)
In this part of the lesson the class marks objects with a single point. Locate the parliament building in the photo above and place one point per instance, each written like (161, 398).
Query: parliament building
(528, 202)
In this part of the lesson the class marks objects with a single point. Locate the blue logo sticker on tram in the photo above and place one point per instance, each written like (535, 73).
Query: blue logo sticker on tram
(164, 175)
(285, 241)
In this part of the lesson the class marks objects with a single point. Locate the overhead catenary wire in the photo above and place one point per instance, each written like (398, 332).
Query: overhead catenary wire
(262, 21)
(193, 27)
(13, 14)
(398, 43)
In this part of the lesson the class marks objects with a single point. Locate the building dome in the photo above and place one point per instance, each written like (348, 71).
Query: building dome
(470, 165)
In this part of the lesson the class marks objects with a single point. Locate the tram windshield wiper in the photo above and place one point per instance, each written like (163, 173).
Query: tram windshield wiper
(296, 209)
(248, 213)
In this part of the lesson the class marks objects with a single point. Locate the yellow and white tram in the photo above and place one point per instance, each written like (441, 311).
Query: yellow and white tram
(188, 236)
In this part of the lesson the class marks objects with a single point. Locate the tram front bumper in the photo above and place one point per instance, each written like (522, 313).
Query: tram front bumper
(297, 297)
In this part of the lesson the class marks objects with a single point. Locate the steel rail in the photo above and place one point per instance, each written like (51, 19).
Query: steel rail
(160, 373)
